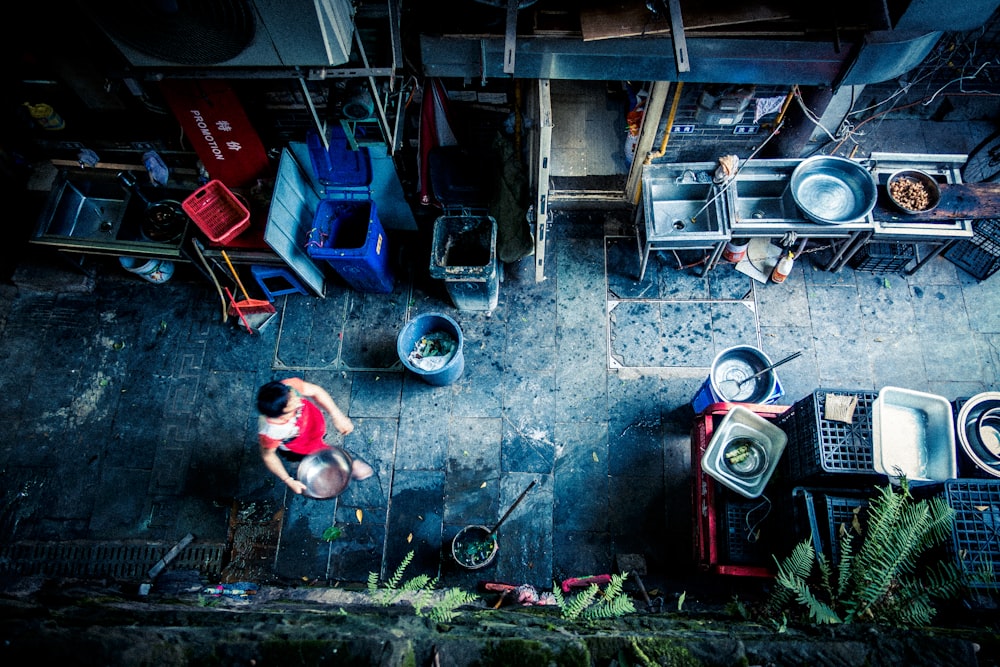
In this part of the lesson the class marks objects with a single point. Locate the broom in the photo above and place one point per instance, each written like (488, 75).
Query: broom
(248, 305)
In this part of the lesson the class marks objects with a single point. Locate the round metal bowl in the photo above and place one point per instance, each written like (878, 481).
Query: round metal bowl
(833, 190)
(982, 450)
(745, 457)
(326, 473)
(913, 191)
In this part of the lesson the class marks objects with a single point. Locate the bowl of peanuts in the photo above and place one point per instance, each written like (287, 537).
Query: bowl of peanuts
(913, 191)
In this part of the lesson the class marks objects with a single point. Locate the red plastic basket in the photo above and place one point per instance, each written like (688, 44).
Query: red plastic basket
(217, 212)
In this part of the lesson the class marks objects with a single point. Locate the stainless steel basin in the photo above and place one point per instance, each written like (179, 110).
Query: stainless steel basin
(763, 198)
(92, 209)
(683, 213)
(89, 206)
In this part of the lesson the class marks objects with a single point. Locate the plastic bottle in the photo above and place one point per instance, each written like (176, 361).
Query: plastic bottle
(783, 268)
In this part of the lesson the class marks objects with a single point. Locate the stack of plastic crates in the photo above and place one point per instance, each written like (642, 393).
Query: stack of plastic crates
(976, 527)
(877, 257)
(733, 535)
(820, 449)
(980, 255)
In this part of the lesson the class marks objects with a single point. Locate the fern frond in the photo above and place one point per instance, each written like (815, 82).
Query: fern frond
(372, 581)
(795, 567)
(421, 600)
(417, 583)
(611, 607)
(825, 575)
(579, 602)
(557, 595)
(453, 598)
(398, 574)
(819, 611)
(844, 567)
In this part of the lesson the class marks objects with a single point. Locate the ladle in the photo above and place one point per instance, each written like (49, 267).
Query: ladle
(769, 367)
(470, 545)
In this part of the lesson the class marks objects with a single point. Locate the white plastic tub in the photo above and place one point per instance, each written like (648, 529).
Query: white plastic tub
(913, 435)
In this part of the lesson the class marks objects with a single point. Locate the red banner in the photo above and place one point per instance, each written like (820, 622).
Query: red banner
(218, 129)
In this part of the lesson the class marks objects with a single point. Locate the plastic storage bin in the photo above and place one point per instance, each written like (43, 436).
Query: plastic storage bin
(878, 257)
(464, 255)
(347, 234)
(980, 255)
(825, 449)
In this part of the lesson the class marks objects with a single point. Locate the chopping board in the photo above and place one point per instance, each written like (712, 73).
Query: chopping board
(959, 201)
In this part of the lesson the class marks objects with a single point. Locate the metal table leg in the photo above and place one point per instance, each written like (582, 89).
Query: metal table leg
(847, 250)
(938, 249)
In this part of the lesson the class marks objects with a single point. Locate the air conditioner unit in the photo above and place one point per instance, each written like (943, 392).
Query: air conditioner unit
(227, 33)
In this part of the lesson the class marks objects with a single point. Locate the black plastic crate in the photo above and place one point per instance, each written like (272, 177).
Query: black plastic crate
(976, 529)
(878, 257)
(750, 533)
(980, 255)
(821, 448)
(822, 512)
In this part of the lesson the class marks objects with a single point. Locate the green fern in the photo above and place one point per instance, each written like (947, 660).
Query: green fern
(614, 603)
(445, 609)
(883, 579)
(422, 588)
(579, 602)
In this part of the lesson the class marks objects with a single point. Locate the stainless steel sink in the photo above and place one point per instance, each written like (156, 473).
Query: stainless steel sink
(88, 206)
(683, 211)
(92, 209)
(763, 198)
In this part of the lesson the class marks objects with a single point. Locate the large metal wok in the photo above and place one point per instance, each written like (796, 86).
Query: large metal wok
(164, 220)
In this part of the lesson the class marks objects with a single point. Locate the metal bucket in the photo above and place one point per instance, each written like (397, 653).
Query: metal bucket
(738, 363)
(474, 547)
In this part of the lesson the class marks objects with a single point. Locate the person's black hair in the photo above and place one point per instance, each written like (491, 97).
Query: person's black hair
(272, 398)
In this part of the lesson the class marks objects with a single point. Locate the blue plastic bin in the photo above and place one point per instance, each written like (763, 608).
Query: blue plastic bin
(423, 325)
(347, 234)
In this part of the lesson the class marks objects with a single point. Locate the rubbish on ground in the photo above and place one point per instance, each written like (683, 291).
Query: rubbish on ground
(583, 582)
(433, 351)
(239, 589)
(526, 594)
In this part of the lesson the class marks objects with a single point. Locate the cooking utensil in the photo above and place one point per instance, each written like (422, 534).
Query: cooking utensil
(248, 305)
(475, 547)
(833, 190)
(731, 386)
(165, 220)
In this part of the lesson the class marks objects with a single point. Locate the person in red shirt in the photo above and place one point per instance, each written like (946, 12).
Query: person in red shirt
(291, 420)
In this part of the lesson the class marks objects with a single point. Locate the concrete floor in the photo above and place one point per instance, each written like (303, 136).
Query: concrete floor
(131, 419)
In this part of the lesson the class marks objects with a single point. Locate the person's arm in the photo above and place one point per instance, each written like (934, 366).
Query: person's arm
(341, 422)
(274, 464)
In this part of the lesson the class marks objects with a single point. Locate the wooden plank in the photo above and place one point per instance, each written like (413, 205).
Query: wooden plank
(631, 18)
(959, 201)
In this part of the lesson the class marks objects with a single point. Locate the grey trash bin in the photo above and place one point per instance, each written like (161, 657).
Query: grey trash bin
(464, 255)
